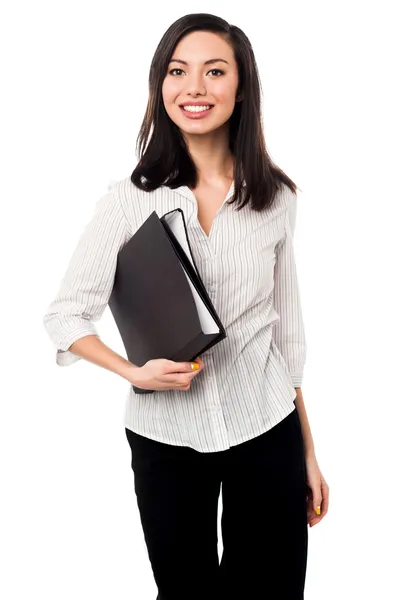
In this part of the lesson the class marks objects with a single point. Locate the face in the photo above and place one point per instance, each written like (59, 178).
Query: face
(203, 71)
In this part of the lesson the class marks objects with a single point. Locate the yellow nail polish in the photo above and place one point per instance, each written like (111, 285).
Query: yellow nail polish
(195, 366)
(318, 510)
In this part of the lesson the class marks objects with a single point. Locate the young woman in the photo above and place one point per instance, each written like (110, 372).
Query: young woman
(235, 419)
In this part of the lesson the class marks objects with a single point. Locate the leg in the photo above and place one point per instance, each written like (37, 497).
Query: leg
(177, 491)
(264, 518)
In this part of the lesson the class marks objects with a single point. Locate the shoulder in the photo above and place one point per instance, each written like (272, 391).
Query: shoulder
(127, 191)
(137, 204)
(128, 196)
(123, 188)
(289, 201)
(292, 210)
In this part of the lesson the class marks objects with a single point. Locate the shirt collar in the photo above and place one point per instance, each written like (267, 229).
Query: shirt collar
(185, 191)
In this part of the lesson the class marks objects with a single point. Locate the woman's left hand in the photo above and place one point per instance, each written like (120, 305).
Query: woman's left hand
(317, 491)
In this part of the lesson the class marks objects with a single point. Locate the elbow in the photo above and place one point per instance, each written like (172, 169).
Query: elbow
(63, 331)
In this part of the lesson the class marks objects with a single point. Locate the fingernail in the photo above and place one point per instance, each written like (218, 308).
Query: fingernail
(195, 366)
(318, 510)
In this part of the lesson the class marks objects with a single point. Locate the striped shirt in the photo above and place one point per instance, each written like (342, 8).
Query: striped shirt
(248, 266)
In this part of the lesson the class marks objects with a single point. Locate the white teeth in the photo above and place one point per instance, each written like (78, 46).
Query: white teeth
(196, 108)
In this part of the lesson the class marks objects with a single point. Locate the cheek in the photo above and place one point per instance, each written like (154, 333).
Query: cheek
(226, 94)
(170, 91)
(169, 97)
(165, 94)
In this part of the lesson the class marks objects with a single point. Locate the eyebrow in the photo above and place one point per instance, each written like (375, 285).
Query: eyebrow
(207, 62)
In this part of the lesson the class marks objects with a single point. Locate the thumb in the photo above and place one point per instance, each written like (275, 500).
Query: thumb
(184, 367)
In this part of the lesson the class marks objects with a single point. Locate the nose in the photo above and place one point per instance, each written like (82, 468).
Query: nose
(195, 84)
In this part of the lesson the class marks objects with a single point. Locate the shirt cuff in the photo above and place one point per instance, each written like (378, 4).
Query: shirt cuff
(65, 357)
(296, 379)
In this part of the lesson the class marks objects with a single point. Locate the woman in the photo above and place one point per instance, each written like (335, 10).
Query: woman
(236, 419)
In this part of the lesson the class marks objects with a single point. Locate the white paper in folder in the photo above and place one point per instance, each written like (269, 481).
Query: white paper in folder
(208, 323)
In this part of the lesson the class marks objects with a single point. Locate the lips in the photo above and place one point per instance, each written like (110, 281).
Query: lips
(196, 104)
(197, 114)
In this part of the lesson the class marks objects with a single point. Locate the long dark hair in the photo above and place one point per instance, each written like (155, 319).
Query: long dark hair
(164, 158)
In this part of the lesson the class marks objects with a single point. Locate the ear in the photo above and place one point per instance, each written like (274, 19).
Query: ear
(239, 97)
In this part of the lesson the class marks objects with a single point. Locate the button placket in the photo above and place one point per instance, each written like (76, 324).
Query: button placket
(209, 376)
(209, 242)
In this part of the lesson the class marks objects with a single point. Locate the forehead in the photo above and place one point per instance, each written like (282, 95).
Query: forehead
(199, 46)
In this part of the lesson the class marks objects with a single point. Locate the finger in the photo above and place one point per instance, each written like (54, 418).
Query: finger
(200, 361)
(315, 521)
(172, 383)
(179, 377)
(175, 378)
(326, 496)
(182, 367)
(200, 367)
(313, 518)
(317, 498)
(323, 501)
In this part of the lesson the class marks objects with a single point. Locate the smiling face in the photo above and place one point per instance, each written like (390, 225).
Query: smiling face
(202, 72)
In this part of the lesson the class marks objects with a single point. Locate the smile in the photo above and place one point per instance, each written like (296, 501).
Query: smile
(196, 112)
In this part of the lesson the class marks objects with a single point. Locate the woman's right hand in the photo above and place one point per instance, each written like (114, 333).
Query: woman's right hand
(165, 374)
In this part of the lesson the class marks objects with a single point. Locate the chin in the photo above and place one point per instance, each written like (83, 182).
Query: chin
(198, 128)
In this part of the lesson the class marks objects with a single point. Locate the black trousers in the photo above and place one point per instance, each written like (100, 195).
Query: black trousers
(264, 516)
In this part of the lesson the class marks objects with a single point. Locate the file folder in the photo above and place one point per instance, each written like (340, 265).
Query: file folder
(159, 302)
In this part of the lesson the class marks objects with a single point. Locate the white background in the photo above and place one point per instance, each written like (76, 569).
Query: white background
(74, 90)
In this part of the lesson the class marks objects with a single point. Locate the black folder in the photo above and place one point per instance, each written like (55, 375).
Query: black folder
(159, 302)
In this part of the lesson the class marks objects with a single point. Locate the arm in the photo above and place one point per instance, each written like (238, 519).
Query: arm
(305, 427)
(289, 331)
(85, 290)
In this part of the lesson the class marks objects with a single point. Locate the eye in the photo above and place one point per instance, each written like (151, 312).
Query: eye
(171, 72)
(218, 70)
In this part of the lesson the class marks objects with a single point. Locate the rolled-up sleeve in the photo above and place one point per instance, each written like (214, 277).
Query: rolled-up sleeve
(289, 331)
(87, 284)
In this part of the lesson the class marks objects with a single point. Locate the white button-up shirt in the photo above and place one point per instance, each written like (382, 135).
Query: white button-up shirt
(248, 267)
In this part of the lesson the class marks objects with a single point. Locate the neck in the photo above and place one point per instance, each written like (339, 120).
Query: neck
(211, 155)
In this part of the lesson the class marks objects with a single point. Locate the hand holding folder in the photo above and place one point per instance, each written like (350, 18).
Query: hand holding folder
(158, 301)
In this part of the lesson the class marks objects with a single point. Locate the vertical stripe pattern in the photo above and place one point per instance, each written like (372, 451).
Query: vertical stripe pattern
(247, 264)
